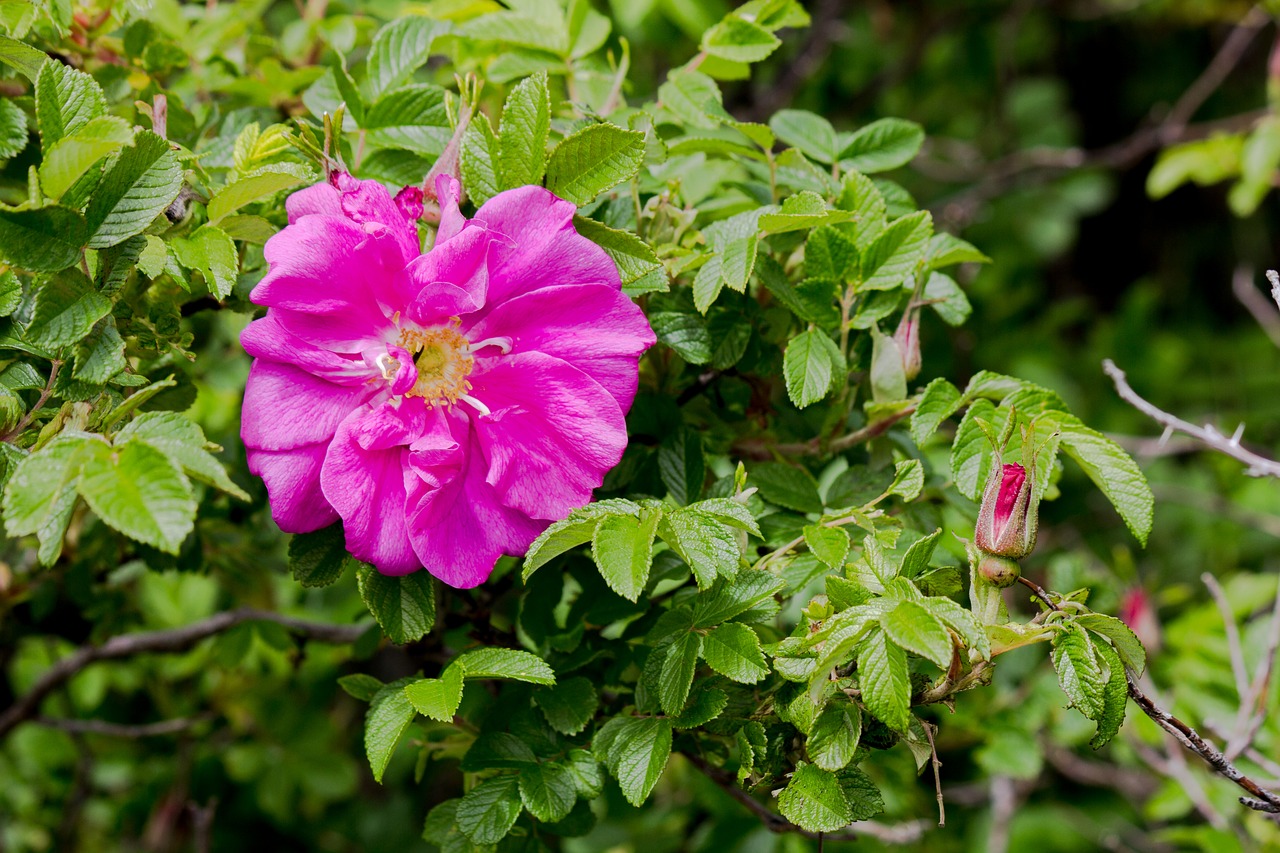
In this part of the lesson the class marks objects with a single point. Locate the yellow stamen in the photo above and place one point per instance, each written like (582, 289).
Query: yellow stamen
(443, 360)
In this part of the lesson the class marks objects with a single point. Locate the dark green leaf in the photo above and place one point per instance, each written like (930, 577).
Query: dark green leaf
(404, 606)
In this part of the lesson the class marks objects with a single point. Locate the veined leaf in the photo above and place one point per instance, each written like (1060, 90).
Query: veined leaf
(594, 159)
(885, 680)
(136, 188)
(733, 650)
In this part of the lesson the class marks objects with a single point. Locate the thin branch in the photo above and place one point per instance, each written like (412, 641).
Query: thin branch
(759, 448)
(1256, 303)
(1234, 650)
(1252, 713)
(1257, 466)
(937, 776)
(45, 393)
(168, 641)
(1004, 805)
(1259, 798)
(102, 727)
(902, 833)
(1216, 73)
(1274, 278)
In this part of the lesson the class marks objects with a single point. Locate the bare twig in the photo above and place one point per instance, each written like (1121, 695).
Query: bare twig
(1274, 278)
(759, 448)
(1234, 650)
(1252, 714)
(902, 833)
(1004, 805)
(102, 727)
(202, 824)
(1217, 71)
(1257, 466)
(937, 776)
(168, 641)
(1263, 312)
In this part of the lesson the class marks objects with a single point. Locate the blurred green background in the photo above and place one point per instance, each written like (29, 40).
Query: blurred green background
(1044, 122)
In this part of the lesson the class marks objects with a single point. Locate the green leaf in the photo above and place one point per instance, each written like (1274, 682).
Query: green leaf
(514, 664)
(861, 793)
(730, 512)
(72, 155)
(636, 751)
(138, 491)
(971, 446)
(733, 650)
(694, 98)
(66, 100)
(267, 182)
(833, 737)
(137, 399)
(1115, 697)
(622, 548)
(738, 40)
(814, 801)
(706, 545)
(708, 283)
(488, 811)
(212, 252)
(522, 133)
(681, 465)
(828, 544)
(882, 145)
(960, 620)
(947, 299)
(480, 160)
(685, 333)
(41, 492)
(1120, 636)
(388, 716)
(573, 531)
(812, 365)
(884, 680)
(638, 265)
(917, 630)
(888, 371)
(11, 296)
(360, 686)
(569, 705)
(811, 133)
(1079, 672)
(23, 57)
(908, 479)
(1113, 471)
(787, 486)
(548, 791)
(893, 256)
(67, 307)
(947, 249)
(137, 187)
(319, 558)
(100, 355)
(544, 28)
(939, 401)
(736, 597)
(399, 49)
(678, 664)
(803, 210)
(404, 606)
(737, 261)
(587, 776)
(43, 239)
(177, 437)
(437, 698)
(415, 118)
(594, 159)
(1203, 161)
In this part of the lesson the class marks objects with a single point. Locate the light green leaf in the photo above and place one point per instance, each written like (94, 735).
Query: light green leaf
(43, 239)
(573, 531)
(738, 40)
(1113, 471)
(908, 479)
(638, 265)
(811, 133)
(947, 299)
(884, 680)
(487, 812)
(813, 800)
(522, 134)
(737, 261)
(1079, 672)
(705, 544)
(514, 664)
(694, 98)
(72, 155)
(833, 737)
(946, 249)
(41, 492)
(730, 512)
(388, 716)
(66, 100)
(588, 778)
(138, 186)
(828, 544)
(269, 181)
(399, 49)
(569, 705)
(1115, 697)
(888, 372)
(548, 791)
(414, 118)
(622, 548)
(803, 210)
(892, 257)
(635, 750)
(67, 307)
(319, 558)
(1121, 636)
(138, 491)
(685, 333)
(680, 659)
(437, 698)
(480, 160)
(812, 365)
(971, 447)
(212, 252)
(100, 355)
(23, 57)
(733, 650)
(1203, 161)
(594, 159)
(917, 630)
(13, 129)
(360, 686)
(735, 597)
(960, 620)
(184, 443)
(882, 145)
(787, 486)
(404, 606)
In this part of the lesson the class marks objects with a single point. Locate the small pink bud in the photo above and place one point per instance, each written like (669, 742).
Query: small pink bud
(907, 337)
(1007, 520)
(1138, 612)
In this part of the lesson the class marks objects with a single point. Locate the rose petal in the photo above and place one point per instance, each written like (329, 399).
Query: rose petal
(267, 338)
(366, 202)
(285, 407)
(292, 478)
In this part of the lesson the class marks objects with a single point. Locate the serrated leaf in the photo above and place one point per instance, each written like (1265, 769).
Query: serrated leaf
(399, 49)
(882, 145)
(680, 659)
(681, 465)
(212, 252)
(833, 737)
(862, 794)
(522, 133)
(915, 629)
(814, 801)
(405, 607)
(487, 812)
(319, 558)
(638, 265)
(100, 355)
(892, 257)
(66, 100)
(884, 679)
(685, 333)
(548, 791)
(706, 545)
(137, 187)
(437, 698)
(908, 479)
(415, 118)
(730, 512)
(803, 210)
(708, 283)
(733, 650)
(1115, 697)
(828, 544)
(1113, 471)
(1120, 636)
(810, 133)
(588, 778)
(594, 159)
(10, 297)
(916, 560)
(573, 531)
(183, 441)
(972, 446)
(947, 249)
(738, 40)
(72, 155)
(694, 98)
(480, 160)
(359, 685)
(735, 597)
(137, 490)
(41, 491)
(812, 365)
(939, 401)
(43, 239)
(67, 307)
(947, 299)
(22, 57)
(251, 188)
(514, 664)
(388, 716)
(622, 547)
(786, 486)
(568, 706)
(1079, 672)
(962, 621)
(636, 751)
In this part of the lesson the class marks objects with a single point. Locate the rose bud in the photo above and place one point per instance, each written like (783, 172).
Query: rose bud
(1000, 572)
(1007, 518)
(907, 337)
(1139, 613)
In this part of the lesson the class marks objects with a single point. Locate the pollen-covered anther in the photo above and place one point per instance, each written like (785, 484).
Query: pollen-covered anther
(443, 359)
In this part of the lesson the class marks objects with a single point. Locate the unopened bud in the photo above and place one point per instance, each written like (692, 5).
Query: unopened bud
(1007, 517)
(1000, 572)
(907, 337)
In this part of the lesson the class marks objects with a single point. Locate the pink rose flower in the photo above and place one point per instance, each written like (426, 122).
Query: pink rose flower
(445, 406)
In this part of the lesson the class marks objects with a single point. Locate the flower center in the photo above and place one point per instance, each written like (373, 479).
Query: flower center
(443, 359)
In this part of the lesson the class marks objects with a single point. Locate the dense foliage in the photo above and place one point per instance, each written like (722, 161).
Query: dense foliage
(772, 618)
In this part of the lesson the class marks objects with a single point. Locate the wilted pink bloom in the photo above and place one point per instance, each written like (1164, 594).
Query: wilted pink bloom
(1007, 520)
(445, 406)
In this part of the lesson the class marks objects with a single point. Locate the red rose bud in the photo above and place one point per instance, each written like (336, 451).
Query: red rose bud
(1139, 613)
(1006, 519)
(907, 337)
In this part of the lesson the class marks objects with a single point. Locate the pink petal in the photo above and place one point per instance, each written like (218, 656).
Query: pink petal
(367, 488)
(292, 478)
(320, 199)
(552, 434)
(452, 279)
(448, 191)
(547, 250)
(369, 202)
(285, 407)
(595, 328)
(267, 338)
